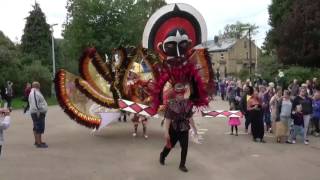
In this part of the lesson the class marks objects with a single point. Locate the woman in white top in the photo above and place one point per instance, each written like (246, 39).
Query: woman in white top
(284, 114)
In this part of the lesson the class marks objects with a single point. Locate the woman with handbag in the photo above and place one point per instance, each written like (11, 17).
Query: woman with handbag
(283, 118)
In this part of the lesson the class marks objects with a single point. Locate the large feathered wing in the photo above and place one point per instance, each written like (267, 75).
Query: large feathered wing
(73, 101)
(202, 60)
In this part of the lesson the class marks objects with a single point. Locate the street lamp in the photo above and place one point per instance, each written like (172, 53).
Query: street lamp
(53, 57)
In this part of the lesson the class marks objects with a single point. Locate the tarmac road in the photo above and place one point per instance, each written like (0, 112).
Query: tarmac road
(112, 153)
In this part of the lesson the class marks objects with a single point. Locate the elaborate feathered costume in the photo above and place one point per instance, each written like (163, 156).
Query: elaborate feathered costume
(167, 60)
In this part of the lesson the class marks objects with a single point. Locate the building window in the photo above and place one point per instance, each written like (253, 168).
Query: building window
(221, 56)
(245, 44)
(247, 55)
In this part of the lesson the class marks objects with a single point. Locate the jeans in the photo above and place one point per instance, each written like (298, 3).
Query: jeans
(267, 118)
(306, 119)
(315, 121)
(287, 121)
(298, 130)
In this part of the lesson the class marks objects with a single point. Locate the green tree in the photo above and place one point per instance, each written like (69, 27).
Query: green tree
(105, 24)
(36, 39)
(278, 12)
(238, 30)
(295, 33)
(9, 64)
(37, 72)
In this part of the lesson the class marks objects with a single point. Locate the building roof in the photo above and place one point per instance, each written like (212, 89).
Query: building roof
(222, 45)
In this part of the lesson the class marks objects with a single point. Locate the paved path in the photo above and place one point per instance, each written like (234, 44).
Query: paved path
(74, 153)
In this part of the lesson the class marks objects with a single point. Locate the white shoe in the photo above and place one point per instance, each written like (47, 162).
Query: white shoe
(134, 134)
(293, 141)
(146, 136)
(306, 142)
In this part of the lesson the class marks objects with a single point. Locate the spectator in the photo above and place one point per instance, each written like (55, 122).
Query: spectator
(283, 116)
(248, 91)
(294, 88)
(222, 88)
(315, 85)
(316, 112)
(1, 96)
(232, 93)
(9, 94)
(38, 110)
(274, 102)
(306, 103)
(271, 88)
(298, 122)
(309, 88)
(27, 90)
(265, 97)
(4, 124)
(254, 108)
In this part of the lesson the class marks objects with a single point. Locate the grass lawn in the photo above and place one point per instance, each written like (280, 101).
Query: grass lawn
(17, 103)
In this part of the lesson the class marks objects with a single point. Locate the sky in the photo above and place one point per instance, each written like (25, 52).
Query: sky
(217, 14)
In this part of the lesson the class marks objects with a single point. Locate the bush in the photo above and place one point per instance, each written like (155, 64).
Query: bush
(299, 73)
(243, 74)
(268, 68)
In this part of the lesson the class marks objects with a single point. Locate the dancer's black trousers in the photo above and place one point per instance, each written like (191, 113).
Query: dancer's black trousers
(183, 138)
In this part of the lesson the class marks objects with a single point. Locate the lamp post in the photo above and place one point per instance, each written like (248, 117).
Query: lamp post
(250, 53)
(53, 58)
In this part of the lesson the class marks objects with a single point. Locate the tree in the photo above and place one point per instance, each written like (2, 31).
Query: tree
(36, 40)
(300, 40)
(105, 24)
(295, 33)
(238, 30)
(37, 72)
(278, 12)
(8, 60)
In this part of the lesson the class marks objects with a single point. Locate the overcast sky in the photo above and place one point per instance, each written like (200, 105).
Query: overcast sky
(217, 14)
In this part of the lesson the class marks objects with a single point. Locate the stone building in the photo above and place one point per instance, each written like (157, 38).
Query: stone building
(231, 55)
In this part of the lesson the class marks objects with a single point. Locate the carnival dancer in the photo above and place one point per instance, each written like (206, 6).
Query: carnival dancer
(136, 120)
(178, 118)
(172, 32)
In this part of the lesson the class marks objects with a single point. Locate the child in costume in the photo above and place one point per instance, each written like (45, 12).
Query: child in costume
(234, 122)
(136, 120)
